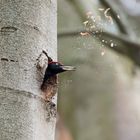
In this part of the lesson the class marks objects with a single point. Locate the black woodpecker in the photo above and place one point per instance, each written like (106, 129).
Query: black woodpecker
(53, 69)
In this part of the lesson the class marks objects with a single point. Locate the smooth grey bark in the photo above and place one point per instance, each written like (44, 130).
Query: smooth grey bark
(26, 28)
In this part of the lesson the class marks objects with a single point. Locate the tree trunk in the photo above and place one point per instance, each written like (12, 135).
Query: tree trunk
(26, 28)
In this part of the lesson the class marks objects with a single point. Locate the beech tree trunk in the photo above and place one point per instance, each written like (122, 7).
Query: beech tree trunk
(26, 28)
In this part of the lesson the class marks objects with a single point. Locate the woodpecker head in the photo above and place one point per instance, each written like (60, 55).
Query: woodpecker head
(56, 68)
(53, 69)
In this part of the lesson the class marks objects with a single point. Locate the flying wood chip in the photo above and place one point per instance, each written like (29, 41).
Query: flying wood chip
(84, 34)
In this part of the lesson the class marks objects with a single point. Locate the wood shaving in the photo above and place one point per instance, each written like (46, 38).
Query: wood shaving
(84, 33)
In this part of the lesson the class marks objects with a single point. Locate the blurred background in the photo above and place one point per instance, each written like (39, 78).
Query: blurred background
(101, 99)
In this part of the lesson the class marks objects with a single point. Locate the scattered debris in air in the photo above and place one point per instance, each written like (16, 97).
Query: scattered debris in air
(107, 16)
(112, 44)
(102, 53)
(95, 25)
(101, 9)
(85, 22)
(118, 16)
(84, 33)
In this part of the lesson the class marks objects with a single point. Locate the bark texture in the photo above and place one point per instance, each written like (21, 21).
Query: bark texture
(26, 28)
